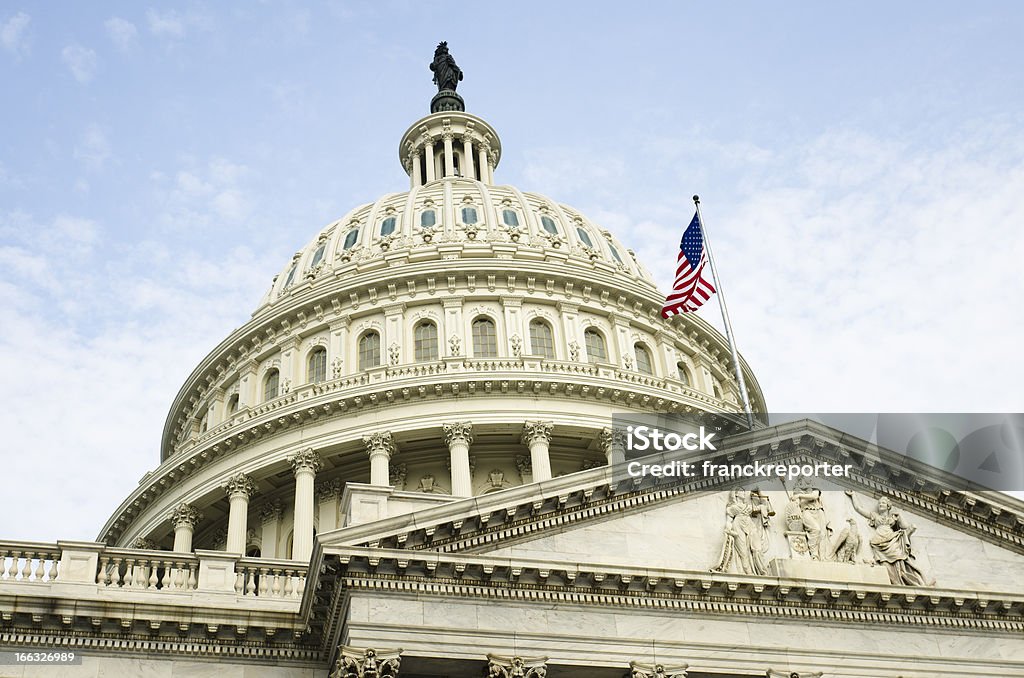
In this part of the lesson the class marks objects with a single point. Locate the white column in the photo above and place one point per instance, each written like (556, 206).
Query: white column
(239, 488)
(379, 447)
(613, 442)
(482, 164)
(467, 153)
(327, 494)
(184, 519)
(305, 464)
(429, 156)
(449, 154)
(248, 391)
(459, 437)
(417, 173)
(270, 518)
(537, 435)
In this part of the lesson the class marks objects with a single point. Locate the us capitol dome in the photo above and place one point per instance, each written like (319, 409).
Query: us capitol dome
(450, 340)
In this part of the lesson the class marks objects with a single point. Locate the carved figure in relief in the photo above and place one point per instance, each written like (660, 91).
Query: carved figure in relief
(890, 544)
(847, 544)
(805, 502)
(746, 533)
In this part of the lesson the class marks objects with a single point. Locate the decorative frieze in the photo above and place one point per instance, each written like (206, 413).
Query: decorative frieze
(516, 667)
(239, 485)
(366, 663)
(306, 460)
(641, 670)
(185, 515)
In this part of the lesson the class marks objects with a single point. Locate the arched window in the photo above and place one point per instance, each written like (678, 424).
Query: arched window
(203, 423)
(549, 225)
(597, 350)
(317, 256)
(290, 278)
(684, 374)
(485, 338)
(428, 218)
(350, 238)
(643, 359)
(425, 341)
(510, 217)
(615, 253)
(541, 341)
(717, 389)
(369, 350)
(316, 366)
(232, 404)
(469, 215)
(387, 227)
(585, 237)
(271, 384)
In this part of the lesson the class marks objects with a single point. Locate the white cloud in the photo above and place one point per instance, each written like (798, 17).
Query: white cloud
(14, 34)
(205, 195)
(122, 32)
(81, 61)
(93, 149)
(172, 25)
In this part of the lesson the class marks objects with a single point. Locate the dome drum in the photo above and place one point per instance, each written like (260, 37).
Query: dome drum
(449, 144)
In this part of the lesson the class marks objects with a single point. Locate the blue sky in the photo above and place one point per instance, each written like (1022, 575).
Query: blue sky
(861, 170)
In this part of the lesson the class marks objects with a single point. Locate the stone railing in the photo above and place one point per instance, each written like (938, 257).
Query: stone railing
(93, 569)
(26, 562)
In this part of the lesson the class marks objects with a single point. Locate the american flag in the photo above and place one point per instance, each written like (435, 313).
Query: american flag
(690, 289)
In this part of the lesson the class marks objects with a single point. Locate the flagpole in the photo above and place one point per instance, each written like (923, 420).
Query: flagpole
(725, 319)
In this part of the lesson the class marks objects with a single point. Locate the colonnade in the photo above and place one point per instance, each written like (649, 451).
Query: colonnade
(380, 448)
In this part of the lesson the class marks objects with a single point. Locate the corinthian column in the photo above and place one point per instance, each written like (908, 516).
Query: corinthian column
(640, 670)
(459, 437)
(184, 518)
(239, 488)
(537, 435)
(527, 667)
(613, 442)
(379, 447)
(369, 663)
(305, 464)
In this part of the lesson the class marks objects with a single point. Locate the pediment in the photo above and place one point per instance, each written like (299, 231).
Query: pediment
(946, 538)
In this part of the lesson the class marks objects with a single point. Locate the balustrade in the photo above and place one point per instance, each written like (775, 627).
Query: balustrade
(269, 579)
(29, 562)
(147, 570)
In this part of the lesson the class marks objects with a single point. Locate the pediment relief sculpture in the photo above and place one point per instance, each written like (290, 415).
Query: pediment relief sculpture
(890, 543)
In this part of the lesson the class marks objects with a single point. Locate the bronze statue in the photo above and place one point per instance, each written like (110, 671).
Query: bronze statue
(446, 72)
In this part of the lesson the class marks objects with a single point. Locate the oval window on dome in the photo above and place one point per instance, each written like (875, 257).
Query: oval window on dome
(290, 278)
(469, 215)
(318, 255)
(549, 225)
(510, 217)
(615, 253)
(585, 237)
(428, 218)
(350, 239)
(387, 227)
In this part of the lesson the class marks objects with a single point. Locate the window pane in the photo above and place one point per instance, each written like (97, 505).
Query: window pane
(233, 404)
(541, 341)
(317, 256)
(510, 217)
(387, 227)
(270, 385)
(350, 239)
(469, 215)
(317, 369)
(615, 253)
(684, 375)
(427, 219)
(585, 237)
(643, 359)
(485, 338)
(290, 279)
(549, 225)
(425, 340)
(369, 351)
(596, 351)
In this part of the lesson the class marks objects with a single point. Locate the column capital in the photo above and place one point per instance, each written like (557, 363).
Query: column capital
(143, 543)
(518, 667)
(379, 443)
(366, 663)
(271, 511)
(185, 515)
(534, 431)
(639, 670)
(328, 489)
(306, 460)
(609, 437)
(458, 432)
(239, 485)
(772, 673)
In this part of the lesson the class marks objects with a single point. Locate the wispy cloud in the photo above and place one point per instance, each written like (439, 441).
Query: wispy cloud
(93, 149)
(81, 61)
(203, 194)
(122, 32)
(173, 25)
(14, 35)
